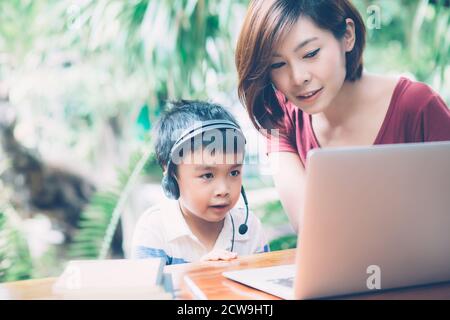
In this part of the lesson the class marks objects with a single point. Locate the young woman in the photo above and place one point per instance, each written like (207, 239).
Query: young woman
(300, 71)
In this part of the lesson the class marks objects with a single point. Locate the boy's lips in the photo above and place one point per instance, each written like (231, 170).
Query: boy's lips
(220, 207)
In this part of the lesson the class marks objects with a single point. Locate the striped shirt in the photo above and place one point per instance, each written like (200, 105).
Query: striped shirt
(163, 232)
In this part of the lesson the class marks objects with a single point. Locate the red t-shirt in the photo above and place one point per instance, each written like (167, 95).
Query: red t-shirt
(416, 114)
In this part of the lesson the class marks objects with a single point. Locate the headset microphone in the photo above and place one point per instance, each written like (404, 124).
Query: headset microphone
(243, 227)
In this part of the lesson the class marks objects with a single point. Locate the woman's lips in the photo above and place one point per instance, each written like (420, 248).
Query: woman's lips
(311, 96)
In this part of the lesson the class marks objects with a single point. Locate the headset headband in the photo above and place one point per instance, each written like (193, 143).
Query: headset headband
(205, 126)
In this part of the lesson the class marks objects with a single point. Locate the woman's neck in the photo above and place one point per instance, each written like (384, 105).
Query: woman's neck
(356, 115)
(345, 104)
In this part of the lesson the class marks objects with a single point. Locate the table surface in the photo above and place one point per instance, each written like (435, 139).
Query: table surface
(204, 280)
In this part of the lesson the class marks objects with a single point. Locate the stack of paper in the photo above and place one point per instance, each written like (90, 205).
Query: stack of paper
(112, 279)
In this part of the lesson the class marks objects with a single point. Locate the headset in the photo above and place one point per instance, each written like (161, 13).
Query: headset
(170, 184)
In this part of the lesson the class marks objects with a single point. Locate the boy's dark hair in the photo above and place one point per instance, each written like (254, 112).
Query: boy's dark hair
(180, 116)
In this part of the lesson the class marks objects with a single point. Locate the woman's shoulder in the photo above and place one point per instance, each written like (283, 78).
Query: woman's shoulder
(418, 112)
(376, 87)
(414, 97)
(403, 95)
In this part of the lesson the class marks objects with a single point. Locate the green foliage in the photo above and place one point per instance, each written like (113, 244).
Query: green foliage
(100, 220)
(152, 170)
(283, 243)
(273, 214)
(94, 221)
(414, 37)
(176, 45)
(254, 181)
(15, 260)
(92, 65)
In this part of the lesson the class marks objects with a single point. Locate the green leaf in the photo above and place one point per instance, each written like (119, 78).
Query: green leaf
(283, 243)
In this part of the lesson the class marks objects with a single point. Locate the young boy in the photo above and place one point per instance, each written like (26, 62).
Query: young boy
(200, 147)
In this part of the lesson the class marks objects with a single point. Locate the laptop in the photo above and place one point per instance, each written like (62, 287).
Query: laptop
(375, 218)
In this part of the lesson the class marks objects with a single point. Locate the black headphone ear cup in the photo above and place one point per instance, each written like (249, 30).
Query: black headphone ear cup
(170, 187)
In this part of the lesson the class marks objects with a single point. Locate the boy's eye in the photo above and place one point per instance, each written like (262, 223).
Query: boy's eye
(312, 54)
(207, 176)
(235, 173)
(277, 65)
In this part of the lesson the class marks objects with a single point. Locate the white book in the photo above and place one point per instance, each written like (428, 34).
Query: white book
(112, 279)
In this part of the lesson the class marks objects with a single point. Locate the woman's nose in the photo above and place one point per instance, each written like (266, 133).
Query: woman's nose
(300, 76)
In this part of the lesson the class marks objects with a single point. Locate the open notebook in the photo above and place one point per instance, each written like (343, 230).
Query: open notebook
(112, 279)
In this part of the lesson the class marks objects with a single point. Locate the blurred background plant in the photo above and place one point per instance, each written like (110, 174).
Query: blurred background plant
(409, 37)
(15, 260)
(83, 81)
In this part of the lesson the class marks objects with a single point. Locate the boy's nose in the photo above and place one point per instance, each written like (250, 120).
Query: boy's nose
(222, 190)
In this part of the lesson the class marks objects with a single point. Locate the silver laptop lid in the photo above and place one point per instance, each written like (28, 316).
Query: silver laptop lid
(374, 210)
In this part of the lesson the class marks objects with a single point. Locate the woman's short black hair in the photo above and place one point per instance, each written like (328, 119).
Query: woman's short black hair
(179, 116)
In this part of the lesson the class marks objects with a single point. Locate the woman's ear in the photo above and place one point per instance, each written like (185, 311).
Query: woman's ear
(350, 35)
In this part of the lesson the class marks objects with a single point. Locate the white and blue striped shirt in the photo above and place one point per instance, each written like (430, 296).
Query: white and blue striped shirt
(163, 232)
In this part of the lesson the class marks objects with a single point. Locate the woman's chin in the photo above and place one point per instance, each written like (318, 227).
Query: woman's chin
(310, 109)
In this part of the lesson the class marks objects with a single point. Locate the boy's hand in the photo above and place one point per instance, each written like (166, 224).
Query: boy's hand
(220, 254)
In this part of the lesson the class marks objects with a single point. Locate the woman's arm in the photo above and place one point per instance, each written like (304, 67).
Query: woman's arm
(289, 178)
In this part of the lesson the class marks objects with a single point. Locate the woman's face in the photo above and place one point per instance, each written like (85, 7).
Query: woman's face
(308, 65)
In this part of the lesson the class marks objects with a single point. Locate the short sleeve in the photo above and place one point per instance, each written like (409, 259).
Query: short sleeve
(278, 142)
(434, 121)
(148, 240)
(282, 139)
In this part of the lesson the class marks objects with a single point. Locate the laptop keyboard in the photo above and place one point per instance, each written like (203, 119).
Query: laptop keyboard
(286, 282)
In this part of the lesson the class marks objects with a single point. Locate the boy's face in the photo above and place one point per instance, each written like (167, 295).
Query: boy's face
(210, 184)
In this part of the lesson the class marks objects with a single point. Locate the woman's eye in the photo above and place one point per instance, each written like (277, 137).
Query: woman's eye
(207, 176)
(277, 65)
(312, 54)
(235, 173)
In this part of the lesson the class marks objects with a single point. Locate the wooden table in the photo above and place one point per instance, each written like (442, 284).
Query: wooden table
(204, 280)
